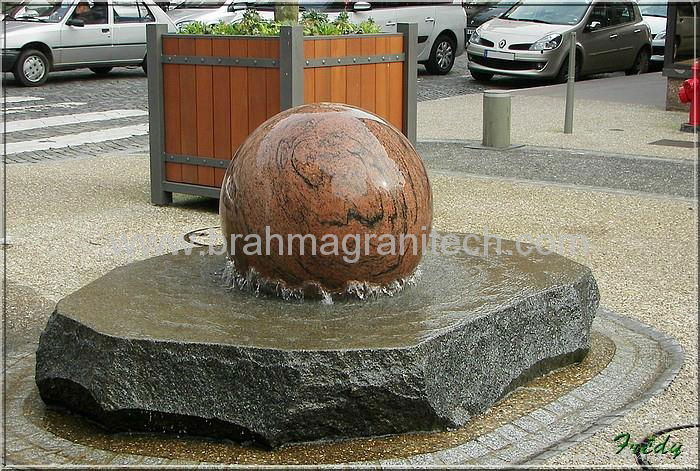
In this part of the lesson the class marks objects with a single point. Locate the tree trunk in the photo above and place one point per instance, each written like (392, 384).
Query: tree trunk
(287, 12)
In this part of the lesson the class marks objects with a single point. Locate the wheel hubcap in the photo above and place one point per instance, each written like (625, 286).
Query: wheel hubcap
(33, 68)
(444, 54)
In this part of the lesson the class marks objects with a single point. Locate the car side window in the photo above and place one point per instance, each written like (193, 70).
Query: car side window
(620, 13)
(92, 13)
(135, 12)
(599, 14)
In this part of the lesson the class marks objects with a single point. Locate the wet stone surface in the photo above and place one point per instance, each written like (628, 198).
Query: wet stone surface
(169, 349)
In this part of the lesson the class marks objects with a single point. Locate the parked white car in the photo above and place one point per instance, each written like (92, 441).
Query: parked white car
(655, 16)
(441, 24)
(43, 36)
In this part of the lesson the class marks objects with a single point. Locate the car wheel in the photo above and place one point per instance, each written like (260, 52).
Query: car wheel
(563, 75)
(641, 64)
(481, 76)
(32, 68)
(101, 70)
(442, 56)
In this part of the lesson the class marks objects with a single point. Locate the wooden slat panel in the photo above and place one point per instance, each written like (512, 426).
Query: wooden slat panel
(219, 174)
(257, 89)
(309, 82)
(269, 48)
(188, 110)
(272, 80)
(381, 105)
(338, 74)
(322, 75)
(239, 95)
(394, 44)
(171, 110)
(222, 109)
(205, 112)
(396, 80)
(368, 75)
(353, 74)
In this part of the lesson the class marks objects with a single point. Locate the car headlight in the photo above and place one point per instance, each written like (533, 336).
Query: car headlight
(661, 35)
(549, 42)
(475, 38)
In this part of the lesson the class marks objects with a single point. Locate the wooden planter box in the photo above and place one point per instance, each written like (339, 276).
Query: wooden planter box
(206, 94)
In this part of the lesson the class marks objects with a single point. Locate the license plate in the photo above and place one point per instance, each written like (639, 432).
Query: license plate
(470, 31)
(508, 56)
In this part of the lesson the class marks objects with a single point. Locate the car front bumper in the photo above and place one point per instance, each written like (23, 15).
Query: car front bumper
(657, 50)
(533, 64)
(9, 58)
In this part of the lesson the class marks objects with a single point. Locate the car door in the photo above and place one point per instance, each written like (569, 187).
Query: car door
(130, 20)
(383, 13)
(90, 43)
(623, 23)
(600, 44)
(423, 14)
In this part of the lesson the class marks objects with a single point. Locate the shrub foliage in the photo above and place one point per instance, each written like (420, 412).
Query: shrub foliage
(315, 24)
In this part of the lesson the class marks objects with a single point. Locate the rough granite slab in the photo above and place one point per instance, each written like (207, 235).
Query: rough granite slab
(160, 345)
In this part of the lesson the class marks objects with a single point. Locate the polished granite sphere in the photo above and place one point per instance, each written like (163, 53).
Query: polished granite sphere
(336, 179)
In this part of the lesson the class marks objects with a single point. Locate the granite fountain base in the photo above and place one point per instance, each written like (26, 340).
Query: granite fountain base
(159, 345)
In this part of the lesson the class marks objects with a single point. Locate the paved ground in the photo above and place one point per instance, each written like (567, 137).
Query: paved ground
(648, 90)
(80, 92)
(572, 168)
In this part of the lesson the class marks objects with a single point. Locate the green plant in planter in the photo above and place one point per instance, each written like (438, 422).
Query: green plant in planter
(368, 27)
(342, 22)
(315, 24)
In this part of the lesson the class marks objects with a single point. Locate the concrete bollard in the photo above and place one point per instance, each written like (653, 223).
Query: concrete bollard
(496, 118)
(569, 116)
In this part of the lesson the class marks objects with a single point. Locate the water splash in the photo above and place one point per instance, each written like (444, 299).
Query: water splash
(254, 283)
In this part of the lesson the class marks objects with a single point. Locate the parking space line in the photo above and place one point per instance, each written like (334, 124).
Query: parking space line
(27, 108)
(20, 99)
(26, 124)
(70, 140)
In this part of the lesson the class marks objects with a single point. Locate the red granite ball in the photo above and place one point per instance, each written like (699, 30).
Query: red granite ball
(322, 176)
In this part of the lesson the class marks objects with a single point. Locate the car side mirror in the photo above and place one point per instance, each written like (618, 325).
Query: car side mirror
(592, 26)
(361, 6)
(79, 22)
(237, 6)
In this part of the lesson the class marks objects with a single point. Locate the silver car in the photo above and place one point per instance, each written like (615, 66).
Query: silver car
(531, 40)
(42, 36)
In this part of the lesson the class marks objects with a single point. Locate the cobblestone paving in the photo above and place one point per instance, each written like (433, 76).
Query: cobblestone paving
(81, 91)
(644, 364)
(77, 92)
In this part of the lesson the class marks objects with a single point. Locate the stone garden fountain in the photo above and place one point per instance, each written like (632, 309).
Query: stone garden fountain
(278, 349)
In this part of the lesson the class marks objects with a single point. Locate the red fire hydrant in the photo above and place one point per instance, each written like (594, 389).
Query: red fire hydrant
(690, 93)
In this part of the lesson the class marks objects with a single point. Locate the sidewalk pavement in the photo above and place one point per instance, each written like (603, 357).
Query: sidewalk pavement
(607, 118)
(646, 90)
(643, 245)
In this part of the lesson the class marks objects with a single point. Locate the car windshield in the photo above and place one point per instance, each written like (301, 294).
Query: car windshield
(39, 10)
(653, 10)
(199, 4)
(548, 13)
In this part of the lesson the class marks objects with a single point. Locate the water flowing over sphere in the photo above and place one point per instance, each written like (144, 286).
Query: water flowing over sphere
(337, 181)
